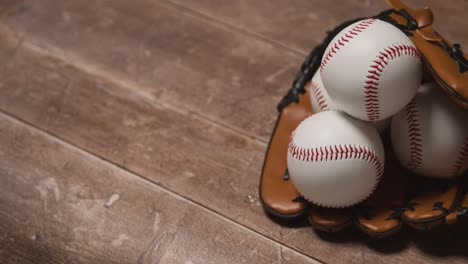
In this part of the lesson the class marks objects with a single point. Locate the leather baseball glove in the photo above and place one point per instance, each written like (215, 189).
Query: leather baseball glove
(402, 198)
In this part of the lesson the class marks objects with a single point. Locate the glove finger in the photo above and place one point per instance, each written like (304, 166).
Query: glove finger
(436, 51)
(379, 216)
(462, 211)
(330, 219)
(379, 223)
(277, 193)
(432, 202)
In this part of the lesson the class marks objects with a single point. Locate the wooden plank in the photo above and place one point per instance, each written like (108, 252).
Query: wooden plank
(194, 158)
(301, 24)
(59, 204)
(8, 6)
(188, 63)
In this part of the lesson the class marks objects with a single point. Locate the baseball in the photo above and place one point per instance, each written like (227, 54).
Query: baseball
(430, 135)
(321, 101)
(335, 160)
(371, 70)
(319, 97)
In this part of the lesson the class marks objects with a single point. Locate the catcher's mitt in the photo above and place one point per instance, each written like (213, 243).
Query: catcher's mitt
(401, 198)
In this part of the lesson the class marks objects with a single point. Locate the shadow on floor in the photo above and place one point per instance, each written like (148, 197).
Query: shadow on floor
(442, 241)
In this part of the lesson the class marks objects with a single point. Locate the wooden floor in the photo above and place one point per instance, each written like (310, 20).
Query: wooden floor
(134, 132)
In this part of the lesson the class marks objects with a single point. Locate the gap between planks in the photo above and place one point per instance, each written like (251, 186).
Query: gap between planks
(76, 62)
(129, 173)
(219, 23)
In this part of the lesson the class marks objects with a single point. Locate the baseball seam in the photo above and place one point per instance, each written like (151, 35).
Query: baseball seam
(319, 96)
(345, 38)
(338, 152)
(371, 83)
(414, 134)
(462, 157)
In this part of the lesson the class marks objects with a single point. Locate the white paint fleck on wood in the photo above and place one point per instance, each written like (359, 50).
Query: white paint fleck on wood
(119, 241)
(157, 221)
(114, 198)
(46, 186)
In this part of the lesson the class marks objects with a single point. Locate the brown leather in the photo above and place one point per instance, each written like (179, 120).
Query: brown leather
(429, 34)
(377, 219)
(427, 225)
(330, 219)
(275, 192)
(453, 217)
(443, 67)
(424, 16)
(378, 224)
(432, 202)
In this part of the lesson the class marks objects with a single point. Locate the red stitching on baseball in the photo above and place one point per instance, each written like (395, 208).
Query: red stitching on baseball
(371, 84)
(346, 38)
(462, 157)
(415, 136)
(319, 96)
(337, 152)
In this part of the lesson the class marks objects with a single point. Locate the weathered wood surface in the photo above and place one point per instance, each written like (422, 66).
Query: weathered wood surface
(180, 99)
(193, 157)
(301, 24)
(180, 54)
(6, 5)
(59, 204)
(189, 63)
(198, 160)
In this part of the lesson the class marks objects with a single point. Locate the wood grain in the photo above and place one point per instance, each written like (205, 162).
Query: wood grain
(180, 152)
(7, 6)
(53, 210)
(301, 24)
(196, 55)
(174, 57)
(201, 161)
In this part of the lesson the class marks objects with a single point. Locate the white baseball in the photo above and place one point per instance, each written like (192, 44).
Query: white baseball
(321, 101)
(430, 135)
(335, 160)
(371, 70)
(319, 97)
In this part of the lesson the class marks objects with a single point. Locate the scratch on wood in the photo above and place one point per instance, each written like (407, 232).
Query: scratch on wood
(157, 221)
(281, 257)
(156, 250)
(313, 16)
(46, 186)
(271, 78)
(119, 241)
